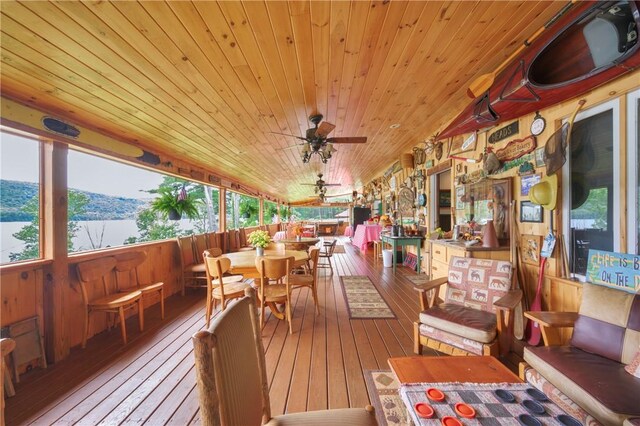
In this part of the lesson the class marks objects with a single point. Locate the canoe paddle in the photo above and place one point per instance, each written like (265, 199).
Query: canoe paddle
(549, 243)
(485, 81)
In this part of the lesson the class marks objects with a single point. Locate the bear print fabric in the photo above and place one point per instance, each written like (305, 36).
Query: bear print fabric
(477, 283)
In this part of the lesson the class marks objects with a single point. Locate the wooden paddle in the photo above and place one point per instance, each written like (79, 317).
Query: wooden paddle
(549, 243)
(485, 81)
(519, 321)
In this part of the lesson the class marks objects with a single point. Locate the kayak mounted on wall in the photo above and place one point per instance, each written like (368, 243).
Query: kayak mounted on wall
(588, 46)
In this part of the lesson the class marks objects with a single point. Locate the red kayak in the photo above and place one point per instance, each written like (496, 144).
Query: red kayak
(591, 44)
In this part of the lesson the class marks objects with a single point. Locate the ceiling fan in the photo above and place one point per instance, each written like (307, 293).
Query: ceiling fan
(321, 186)
(317, 142)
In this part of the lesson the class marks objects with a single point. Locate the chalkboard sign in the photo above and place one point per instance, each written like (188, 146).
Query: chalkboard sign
(505, 132)
(616, 270)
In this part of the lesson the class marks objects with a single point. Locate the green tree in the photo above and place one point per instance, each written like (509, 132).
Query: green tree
(30, 234)
(152, 228)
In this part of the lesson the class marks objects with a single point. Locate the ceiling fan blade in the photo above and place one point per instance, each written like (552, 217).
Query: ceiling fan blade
(288, 147)
(353, 139)
(286, 134)
(332, 184)
(308, 184)
(324, 129)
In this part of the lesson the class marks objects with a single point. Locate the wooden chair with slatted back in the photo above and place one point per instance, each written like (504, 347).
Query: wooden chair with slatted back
(128, 265)
(309, 280)
(97, 270)
(327, 253)
(193, 273)
(220, 286)
(199, 245)
(276, 269)
(231, 376)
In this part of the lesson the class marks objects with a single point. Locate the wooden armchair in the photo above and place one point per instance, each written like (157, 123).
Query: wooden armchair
(232, 377)
(193, 271)
(477, 311)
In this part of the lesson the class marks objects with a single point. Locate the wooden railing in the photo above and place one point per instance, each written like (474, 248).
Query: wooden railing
(24, 285)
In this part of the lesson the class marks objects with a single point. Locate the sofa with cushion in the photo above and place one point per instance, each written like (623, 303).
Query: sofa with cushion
(599, 370)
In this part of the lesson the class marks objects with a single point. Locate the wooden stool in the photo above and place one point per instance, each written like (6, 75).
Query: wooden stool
(377, 250)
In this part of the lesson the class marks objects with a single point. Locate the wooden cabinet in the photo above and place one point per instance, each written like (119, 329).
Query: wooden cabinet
(441, 252)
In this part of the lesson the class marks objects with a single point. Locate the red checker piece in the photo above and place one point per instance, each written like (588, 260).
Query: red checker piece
(465, 410)
(450, 421)
(424, 410)
(435, 394)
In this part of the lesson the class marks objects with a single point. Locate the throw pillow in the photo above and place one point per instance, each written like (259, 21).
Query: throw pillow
(634, 365)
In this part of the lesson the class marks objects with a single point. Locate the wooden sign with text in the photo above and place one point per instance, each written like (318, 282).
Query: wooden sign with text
(517, 148)
(505, 132)
(615, 270)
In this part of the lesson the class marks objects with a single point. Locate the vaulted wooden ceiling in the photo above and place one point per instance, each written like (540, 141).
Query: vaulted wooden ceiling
(209, 81)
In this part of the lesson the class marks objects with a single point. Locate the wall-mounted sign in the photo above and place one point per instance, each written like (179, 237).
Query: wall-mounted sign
(428, 164)
(615, 270)
(505, 132)
(517, 148)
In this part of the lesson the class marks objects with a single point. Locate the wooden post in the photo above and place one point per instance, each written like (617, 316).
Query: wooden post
(203, 342)
(278, 220)
(261, 212)
(54, 230)
(222, 214)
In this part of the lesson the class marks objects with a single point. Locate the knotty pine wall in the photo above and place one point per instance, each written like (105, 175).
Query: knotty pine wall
(558, 294)
(23, 286)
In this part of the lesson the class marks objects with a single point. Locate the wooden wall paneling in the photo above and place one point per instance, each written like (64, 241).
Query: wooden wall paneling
(622, 183)
(339, 21)
(20, 296)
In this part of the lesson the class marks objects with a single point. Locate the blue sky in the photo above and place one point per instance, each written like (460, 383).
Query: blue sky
(18, 161)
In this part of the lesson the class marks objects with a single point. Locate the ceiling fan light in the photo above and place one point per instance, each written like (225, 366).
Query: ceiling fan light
(306, 148)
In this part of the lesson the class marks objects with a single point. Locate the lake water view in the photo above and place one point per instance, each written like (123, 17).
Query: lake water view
(115, 233)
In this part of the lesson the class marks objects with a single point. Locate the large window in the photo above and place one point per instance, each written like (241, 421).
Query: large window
(242, 210)
(633, 166)
(20, 198)
(329, 214)
(112, 204)
(590, 177)
(269, 213)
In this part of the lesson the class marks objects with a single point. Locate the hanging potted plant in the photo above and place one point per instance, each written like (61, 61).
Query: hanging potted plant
(175, 206)
(259, 239)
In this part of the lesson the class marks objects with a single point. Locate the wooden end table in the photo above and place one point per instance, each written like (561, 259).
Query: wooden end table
(431, 369)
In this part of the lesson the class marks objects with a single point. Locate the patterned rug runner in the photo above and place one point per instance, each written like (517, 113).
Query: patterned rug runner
(363, 299)
(383, 389)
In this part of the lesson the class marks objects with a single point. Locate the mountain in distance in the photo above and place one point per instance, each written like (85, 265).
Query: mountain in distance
(15, 194)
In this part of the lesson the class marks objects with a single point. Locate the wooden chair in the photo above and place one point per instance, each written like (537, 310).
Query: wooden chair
(193, 273)
(98, 269)
(477, 311)
(7, 345)
(308, 280)
(232, 379)
(200, 244)
(275, 269)
(327, 253)
(220, 287)
(128, 264)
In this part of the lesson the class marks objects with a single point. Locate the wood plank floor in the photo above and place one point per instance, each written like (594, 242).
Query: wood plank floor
(152, 379)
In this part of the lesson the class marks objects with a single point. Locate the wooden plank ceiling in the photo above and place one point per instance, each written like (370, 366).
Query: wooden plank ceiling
(208, 81)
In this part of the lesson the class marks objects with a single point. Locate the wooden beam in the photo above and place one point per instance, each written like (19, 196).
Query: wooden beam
(54, 223)
(222, 214)
(261, 212)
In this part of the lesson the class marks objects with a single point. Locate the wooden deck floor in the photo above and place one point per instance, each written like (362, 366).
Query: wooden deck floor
(152, 379)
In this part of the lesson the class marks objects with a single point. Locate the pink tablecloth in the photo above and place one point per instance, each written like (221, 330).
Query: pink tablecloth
(365, 234)
(280, 235)
(348, 231)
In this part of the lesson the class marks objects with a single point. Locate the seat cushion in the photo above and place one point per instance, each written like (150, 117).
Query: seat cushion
(467, 345)
(597, 384)
(465, 322)
(342, 416)
(197, 268)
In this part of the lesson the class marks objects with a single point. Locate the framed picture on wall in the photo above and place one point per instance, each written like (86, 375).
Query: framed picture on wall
(527, 181)
(444, 198)
(531, 245)
(530, 212)
(459, 195)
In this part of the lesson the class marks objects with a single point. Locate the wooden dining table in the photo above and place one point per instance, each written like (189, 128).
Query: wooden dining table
(244, 262)
(302, 244)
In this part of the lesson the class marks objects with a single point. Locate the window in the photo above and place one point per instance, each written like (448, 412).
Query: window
(589, 179)
(20, 197)
(633, 162)
(270, 212)
(328, 214)
(111, 204)
(242, 210)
